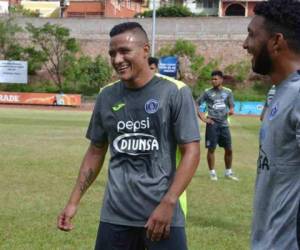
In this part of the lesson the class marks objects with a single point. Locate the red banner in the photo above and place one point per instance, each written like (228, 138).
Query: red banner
(40, 98)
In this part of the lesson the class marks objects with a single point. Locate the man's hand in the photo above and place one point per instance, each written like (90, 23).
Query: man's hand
(65, 217)
(231, 111)
(159, 223)
(209, 121)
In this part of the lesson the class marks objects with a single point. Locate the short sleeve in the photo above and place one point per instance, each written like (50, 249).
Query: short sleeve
(96, 132)
(230, 100)
(184, 118)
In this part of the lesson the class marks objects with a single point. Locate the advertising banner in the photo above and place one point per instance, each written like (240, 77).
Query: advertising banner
(248, 108)
(242, 108)
(13, 71)
(168, 66)
(40, 98)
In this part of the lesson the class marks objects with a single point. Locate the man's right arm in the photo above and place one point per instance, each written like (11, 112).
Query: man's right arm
(89, 170)
(202, 115)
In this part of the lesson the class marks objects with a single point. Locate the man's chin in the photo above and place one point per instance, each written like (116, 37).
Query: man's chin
(123, 77)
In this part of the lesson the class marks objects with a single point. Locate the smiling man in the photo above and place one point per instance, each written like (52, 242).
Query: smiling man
(274, 43)
(142, 118)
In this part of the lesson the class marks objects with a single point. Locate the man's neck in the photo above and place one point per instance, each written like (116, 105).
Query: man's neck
(139, 81)
(284, 68)
(218, 87)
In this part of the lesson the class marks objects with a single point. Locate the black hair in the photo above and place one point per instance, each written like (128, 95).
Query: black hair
(282, 16)
(153, 60)
(128, 26)
(217, 73)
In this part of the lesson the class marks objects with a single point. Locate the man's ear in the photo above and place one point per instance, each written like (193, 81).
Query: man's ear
(146, 49)
(277, 43)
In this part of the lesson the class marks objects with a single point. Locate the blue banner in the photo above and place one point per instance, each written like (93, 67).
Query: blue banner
(248, 108)
(168, 65)
(242, 108)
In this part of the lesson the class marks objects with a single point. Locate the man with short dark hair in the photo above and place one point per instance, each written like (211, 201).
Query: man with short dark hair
(274, 42)
(153, 64)
(142, 118)
(220, 104)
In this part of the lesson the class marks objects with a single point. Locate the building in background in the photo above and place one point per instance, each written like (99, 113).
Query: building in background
(49, 9)
(213, 7)
(237, 8)
(104, 8)
(83, 8)
(130, 8)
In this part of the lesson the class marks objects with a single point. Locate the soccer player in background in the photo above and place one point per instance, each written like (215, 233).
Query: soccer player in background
(142, 119)
(274, 42)
(153, 64)
(220, 105)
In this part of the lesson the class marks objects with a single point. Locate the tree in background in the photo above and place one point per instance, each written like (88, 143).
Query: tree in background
(169, 11)
(11, 49)
(55, 44)
(18, 10)
(8, 41)
(87, 75)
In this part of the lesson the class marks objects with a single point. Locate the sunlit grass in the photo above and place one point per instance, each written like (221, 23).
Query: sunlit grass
(40, 154)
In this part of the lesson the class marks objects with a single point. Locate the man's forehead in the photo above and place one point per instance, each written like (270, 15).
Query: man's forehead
(128, 36)
(256, 23)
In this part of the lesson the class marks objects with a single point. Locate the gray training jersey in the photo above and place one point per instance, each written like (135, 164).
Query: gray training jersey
(143, 127)
(277, 191)
(270, 96)
(218, 101)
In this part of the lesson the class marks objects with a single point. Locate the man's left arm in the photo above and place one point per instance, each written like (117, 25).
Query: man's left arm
(231, 104)
(158, 224)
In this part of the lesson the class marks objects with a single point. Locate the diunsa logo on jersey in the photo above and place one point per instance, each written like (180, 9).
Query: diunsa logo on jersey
(136, 144)
(219, 104)
(151, 106)
(133, 139)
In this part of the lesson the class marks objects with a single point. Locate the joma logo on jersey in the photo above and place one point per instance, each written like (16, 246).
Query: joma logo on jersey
(133, 126)
(135, 144)
(118, 106)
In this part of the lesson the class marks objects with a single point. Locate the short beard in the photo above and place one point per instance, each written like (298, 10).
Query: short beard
(263, 62)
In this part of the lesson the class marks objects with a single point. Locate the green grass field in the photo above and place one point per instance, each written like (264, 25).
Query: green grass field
(40, 154)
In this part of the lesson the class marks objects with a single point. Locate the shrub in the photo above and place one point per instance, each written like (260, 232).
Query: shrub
(180, 48)
(19, 10)
(169, 11)
(202, 71)
(86, 75)
(239, 71)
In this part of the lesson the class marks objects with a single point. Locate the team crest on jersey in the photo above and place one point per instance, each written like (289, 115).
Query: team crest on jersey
(151, 106)
(224, 95)
(274, 111)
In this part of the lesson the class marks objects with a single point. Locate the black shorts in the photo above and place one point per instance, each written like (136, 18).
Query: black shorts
(216, 134)
(118, 237)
